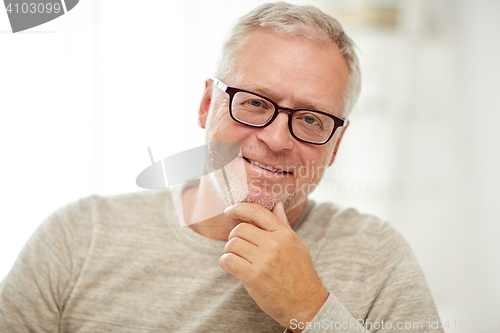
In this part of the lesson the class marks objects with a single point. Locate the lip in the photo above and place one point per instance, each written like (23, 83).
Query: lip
(265, 172)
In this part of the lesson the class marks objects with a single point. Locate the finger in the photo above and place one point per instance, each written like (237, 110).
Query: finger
(248, 232)
(256, 214)
(242, 248)
(235, 265)
(279, 212)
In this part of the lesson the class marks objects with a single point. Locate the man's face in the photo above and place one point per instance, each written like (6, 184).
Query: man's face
(294, 72)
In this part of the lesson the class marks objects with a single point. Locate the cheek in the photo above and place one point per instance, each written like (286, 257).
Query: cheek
(221, 127)
(328, 149)
(327, 156)
(216, 120)
(316, 160)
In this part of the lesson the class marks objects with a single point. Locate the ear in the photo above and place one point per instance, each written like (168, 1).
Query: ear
(205, 104)
(337, 143)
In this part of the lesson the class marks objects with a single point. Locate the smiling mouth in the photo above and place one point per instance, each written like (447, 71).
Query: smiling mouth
(266, 167)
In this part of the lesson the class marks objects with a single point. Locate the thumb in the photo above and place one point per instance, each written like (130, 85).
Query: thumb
(279, 212)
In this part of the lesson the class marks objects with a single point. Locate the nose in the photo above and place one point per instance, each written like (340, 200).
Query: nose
(277, 135)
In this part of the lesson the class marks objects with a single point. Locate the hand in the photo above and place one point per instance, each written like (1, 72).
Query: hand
(273, 264)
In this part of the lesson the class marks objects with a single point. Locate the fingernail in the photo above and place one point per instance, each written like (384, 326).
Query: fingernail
(227, 209)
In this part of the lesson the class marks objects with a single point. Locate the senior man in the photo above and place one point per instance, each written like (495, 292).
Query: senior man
(287, 79)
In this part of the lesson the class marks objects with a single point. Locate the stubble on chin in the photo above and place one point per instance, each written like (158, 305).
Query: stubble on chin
(291, 199)
(261, 197)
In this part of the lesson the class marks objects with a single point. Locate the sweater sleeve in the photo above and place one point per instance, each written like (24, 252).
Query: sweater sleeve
(34, 293)
(401, 302)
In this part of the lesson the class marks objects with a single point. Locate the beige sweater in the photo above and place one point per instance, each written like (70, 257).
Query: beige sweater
(123, 264)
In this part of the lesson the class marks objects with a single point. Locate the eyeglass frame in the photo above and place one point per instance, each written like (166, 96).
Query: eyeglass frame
(231, 91)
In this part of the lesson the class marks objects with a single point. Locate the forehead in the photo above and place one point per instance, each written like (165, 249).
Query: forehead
(295, 71)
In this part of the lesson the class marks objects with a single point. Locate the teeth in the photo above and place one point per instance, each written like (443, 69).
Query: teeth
(263, 166)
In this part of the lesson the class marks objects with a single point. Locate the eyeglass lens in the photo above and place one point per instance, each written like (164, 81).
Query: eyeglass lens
(306, 125)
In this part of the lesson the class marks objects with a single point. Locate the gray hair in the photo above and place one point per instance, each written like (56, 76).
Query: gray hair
(304, 21)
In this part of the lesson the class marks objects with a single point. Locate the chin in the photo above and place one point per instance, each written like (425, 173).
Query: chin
(268, 200)
(261, 197)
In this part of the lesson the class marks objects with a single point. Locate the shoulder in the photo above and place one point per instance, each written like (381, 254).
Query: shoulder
(98, 208)
(347, 222)
(128, 201)
(74, 224)
(364, 234)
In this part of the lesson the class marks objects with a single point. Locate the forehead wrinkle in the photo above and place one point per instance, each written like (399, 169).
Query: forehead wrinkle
(332, 109)
(297, 102)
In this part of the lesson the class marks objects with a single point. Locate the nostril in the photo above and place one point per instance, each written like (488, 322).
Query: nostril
(277, 135)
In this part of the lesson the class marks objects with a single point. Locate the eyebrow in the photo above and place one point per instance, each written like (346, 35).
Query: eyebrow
(307, 105)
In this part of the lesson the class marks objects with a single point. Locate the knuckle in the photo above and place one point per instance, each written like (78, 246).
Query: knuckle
(248, 209)
(240, 229)
(289, 233)
(225, 261)
(274, 246)
(254, 209)
(232, 244)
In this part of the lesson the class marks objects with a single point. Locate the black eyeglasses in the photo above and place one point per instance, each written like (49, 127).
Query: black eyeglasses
(251, 109)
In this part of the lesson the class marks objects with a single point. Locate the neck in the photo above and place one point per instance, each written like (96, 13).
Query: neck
(200, 202)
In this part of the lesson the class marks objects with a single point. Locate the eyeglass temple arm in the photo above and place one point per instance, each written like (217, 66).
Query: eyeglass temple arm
(219, 84)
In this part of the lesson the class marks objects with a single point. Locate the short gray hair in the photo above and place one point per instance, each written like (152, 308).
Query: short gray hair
(288, 19)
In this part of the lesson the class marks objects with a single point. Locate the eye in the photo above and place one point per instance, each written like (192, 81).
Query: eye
(255, 103)
(310, 120)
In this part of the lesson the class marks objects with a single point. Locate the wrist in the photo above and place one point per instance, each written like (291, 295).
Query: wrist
(309, 311)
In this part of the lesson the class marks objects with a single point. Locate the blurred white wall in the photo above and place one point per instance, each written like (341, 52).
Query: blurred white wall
(427, 121)
(83, 96)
